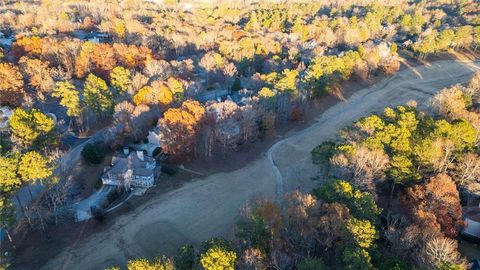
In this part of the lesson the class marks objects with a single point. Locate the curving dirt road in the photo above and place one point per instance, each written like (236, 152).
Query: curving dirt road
(208, 207)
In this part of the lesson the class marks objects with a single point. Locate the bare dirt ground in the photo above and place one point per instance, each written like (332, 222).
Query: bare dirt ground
(419, 83)
(203, 209)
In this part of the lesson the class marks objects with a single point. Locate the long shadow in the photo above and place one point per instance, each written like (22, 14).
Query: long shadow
(412, 68)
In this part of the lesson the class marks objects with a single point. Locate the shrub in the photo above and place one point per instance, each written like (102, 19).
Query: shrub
(168, 170)
(237, 85)
(94, 153)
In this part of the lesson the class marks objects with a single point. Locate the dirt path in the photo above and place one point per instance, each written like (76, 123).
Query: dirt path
(208, 207)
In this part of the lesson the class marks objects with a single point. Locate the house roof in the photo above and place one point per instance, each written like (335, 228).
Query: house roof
(472, 213)
(122, 163)
(142, 171)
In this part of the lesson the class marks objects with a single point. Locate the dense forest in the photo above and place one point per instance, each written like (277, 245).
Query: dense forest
(215, 77)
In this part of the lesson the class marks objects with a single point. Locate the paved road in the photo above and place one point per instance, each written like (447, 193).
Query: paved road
(208, 207)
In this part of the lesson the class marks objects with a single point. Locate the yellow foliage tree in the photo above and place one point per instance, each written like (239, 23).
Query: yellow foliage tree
(266, 92)
(33, 167)
(157, 94)
(143, 96)
(176, 87)
(120, 29)
(161, 263)
(165, 96)
(218, 259)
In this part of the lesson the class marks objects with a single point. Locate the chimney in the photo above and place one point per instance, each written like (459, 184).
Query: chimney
(126, 151)
(140, 155)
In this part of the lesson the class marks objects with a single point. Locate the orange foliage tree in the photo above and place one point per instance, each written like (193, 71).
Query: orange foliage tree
(27, 46)
(82, 60)
(11, 85)
(38, 74)
(103, 59)
(180, 127)
(436, 204)
(132, 56)
(156, 94)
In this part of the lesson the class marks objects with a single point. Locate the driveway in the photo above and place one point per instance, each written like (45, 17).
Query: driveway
(208, 207)
(97, 199)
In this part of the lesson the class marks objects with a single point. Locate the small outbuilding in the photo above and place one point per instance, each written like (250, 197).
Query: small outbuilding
(472, 222)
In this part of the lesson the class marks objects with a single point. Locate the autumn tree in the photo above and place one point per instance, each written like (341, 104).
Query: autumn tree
(156, 94)
(33, 167)
(328, 70)
(98, 96)
(120, 79)
(57, 194)
(218, 255)
(180, 126)
(463, 36)
(131, 56)
(444, 40)
(83, 63)
(283, 82)
(160, 263)
(31, 128)
(103, 59)
(164, 95)
(437, 204)
(176, 87)
(211, 63)
(69, 98)
(9, 180)
(252, 259)
(119, 28)
(11, 85)
(476, 37)
(19, 169)
(361, 204)
(254, 232)
(38, 75)
(26, 45)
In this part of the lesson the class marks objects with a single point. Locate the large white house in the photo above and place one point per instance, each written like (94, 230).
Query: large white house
(131, 170)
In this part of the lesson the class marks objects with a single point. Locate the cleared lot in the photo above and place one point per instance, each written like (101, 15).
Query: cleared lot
(208, 207)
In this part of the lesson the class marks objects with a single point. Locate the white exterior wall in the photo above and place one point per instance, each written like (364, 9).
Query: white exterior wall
(143, 181)
(153, 138)
(111, 181)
